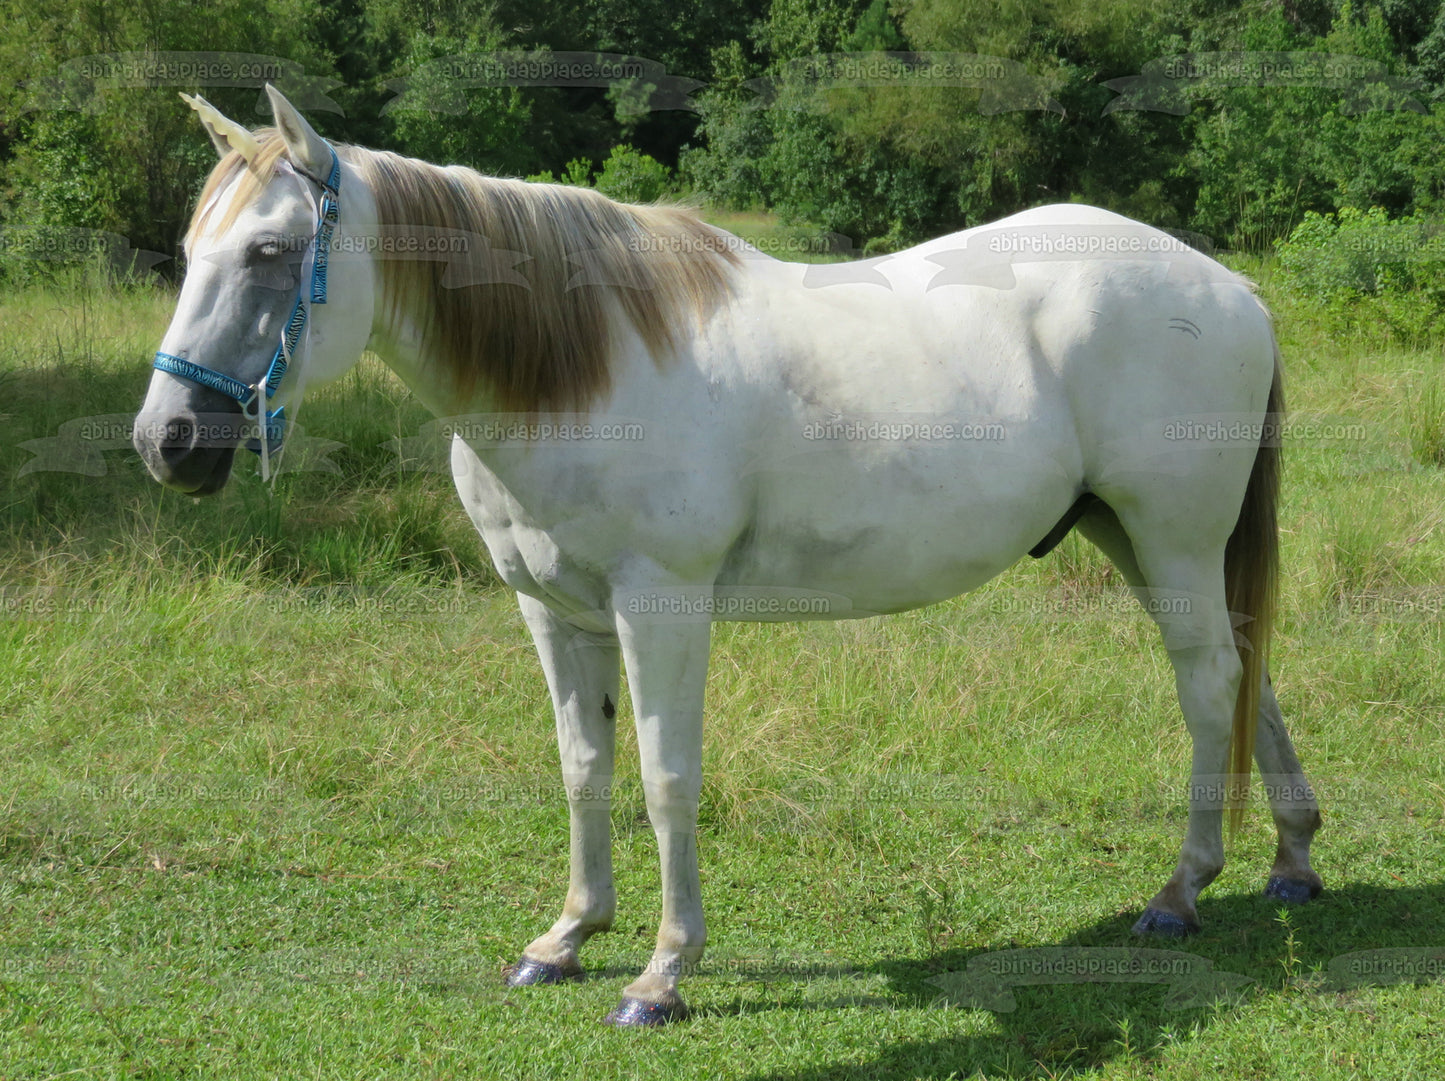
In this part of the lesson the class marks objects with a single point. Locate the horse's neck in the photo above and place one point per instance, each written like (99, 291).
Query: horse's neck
(399, 345)
(396, 339)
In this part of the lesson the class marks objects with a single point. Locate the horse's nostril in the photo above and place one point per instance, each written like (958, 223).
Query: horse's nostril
(179, 441)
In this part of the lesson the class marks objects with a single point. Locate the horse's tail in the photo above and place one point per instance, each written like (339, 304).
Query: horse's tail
(1251, 577)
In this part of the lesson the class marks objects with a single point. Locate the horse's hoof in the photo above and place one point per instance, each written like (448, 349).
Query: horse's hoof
(1292, 891)
(1160, 924)
(529, 973)
(636, 1013)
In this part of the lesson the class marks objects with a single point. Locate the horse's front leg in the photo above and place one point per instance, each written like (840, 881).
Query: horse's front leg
(582, 674)
(667, 672)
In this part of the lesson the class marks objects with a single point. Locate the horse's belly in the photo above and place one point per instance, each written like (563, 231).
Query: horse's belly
(849, 588)
(862, 544)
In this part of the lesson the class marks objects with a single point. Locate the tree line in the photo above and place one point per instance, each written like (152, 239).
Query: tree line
(886, 122)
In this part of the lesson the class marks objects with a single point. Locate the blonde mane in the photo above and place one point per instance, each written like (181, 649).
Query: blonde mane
(540, 334)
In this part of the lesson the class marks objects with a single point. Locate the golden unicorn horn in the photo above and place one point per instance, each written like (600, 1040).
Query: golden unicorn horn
(237, 137)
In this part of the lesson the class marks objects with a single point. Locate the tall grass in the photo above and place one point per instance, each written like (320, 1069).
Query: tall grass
(1426, 413)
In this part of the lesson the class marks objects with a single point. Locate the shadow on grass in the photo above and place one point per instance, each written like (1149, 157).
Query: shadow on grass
(1083, 1026)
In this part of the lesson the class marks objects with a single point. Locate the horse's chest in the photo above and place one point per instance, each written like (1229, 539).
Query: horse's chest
(547, 563)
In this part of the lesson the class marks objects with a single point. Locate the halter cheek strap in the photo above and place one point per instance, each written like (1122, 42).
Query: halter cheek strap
(271, 424)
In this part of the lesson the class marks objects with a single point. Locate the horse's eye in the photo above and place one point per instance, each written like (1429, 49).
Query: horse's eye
(273, 266)
(264, 248)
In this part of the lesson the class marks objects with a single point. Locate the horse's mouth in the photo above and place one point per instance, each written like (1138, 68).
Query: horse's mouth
(185, 465)
(220, 473)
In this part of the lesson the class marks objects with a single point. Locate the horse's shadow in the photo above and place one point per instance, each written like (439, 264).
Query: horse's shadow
(1081, 1025)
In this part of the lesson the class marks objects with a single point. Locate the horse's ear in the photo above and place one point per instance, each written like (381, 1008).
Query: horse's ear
(226, 135)
(303, 146)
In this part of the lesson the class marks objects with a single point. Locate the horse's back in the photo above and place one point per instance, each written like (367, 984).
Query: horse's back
(1051, 350)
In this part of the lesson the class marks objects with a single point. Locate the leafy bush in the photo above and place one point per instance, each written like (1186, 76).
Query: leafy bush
(1370, 269)
(1353, 253)
(578, 174)
(630, 176)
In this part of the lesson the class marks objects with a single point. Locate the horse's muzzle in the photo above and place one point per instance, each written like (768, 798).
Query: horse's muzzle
(191, 454)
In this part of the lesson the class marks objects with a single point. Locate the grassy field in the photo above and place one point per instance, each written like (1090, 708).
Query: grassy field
(278, 775)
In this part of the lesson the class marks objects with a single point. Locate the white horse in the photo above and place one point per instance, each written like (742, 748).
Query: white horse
(763, 444)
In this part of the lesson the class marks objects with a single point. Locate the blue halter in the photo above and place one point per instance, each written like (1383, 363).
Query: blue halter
(272, 423)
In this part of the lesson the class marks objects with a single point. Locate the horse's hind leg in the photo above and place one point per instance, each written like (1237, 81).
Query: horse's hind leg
(1291, 800)
(583, 673)
(1182, 588)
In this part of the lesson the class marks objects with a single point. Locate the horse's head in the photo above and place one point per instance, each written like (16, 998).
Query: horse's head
(267, 302)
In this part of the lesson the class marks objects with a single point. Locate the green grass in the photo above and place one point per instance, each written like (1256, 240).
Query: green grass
(795, 243)
(276, 778)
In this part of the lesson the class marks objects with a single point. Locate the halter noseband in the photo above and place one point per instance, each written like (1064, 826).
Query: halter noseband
(271, 424)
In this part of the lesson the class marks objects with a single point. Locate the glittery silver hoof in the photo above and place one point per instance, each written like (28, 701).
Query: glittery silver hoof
(530, 973)
(1156, 923)
(1292, 891)
(635, 1013)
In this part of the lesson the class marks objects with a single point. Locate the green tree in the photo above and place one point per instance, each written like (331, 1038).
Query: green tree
(129, 159)
(483, 127)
